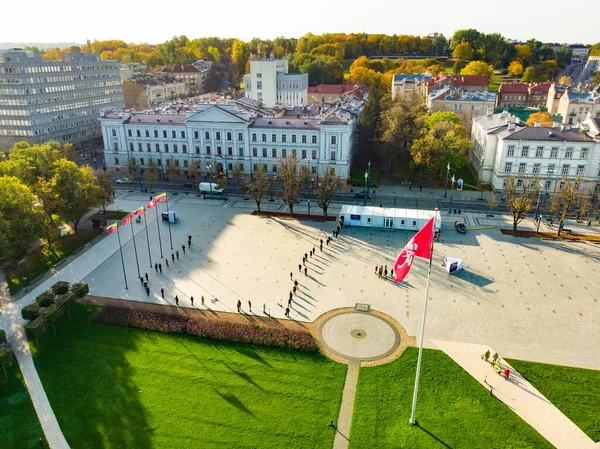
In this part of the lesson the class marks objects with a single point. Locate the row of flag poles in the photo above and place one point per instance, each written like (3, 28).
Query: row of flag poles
(128, 219)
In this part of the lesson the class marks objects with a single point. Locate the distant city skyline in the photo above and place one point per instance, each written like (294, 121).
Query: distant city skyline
(135, 22)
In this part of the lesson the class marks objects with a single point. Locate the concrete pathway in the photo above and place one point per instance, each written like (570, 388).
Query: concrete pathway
(520, 396)
(342, 434)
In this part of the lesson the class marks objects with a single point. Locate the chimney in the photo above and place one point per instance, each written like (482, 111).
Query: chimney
(490, 112)
(537, 125)
(511, 126)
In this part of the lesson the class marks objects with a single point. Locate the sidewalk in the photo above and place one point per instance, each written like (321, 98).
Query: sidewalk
(519, 395)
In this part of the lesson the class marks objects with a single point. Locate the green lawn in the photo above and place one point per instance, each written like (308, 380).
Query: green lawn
(42, 259)
(19, 425)
(453, 409)
(574, 391)
(113, 387)
(116, 214)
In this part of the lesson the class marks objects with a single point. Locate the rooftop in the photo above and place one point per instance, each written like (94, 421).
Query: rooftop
(452, 94)
(514, 88)
(331, 89)
(495, 123)
(562, 134)
(398, 77)
(152, 78)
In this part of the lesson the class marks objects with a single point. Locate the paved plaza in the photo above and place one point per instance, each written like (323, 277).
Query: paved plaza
(531, 299)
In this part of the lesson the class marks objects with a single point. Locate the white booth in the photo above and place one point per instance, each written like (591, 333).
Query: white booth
(388, 217)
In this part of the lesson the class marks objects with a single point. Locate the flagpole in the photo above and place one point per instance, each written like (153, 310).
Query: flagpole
(122, 262)
(416, 390)
(135, 247)
(158, 227)
(169, 220)
(147, 239)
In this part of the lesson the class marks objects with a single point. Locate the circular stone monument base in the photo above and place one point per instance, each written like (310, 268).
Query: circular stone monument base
(357, 335)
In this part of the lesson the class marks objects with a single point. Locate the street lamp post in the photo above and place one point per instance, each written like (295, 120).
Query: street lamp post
(369, 178)
(366, 179)
(446, 188)
(209, 168)
(451, 194)
(537, 216)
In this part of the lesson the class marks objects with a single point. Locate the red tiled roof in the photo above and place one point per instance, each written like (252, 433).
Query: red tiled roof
(541, 87)
(330, 89)
(181, 69)
(514, 88)
(470, 80)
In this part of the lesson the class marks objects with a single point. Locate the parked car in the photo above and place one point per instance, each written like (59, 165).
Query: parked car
(209, 187)
(124, 181)
(460, 227)
(362, 195)
(188, 185)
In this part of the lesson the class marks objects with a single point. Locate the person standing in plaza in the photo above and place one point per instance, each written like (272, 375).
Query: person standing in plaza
(173, 257)
(304, 261)
(239, 306)
(167, 262)
(291, 276)
(385, 272)
(145, 284)
(294, 289)
(321, 242)
(296, 283)
(192, 300)
(177, 254)
(176, 300)
(142, 280)
(290, 302)
(310, 252)
(321, 245)
(314, 250)
(287, 312)
(147, 291)
(162, 293)
(300, 268)
(249, 306)
(202, 300)
(146, 276)
(376, 269)
(327, 240)
(306, 256)
(156, 267)
(290, 298)
(305, 271)
(183, 248)
(160, 267)
(189, 241)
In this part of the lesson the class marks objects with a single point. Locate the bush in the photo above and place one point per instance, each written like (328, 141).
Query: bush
(80, 289)
(45, 299)
(216, 329)
(31, 312)
(60, 288)
(5, 358)
(2, 336)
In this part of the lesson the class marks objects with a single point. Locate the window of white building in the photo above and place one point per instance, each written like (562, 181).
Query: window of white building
(508, 167)
(511, 150)
(539, 152)
(584, 153)
(554, 152)
(551, 168)
(569, 153)
(565, 169)
(580, 169)
(525, 152)
(522, 167)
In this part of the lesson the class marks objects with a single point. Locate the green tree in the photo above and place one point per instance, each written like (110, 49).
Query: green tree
(151, 172)
(237, 172)
(106, 190)
(173, 169)
(524, 53)
(473, 37)
(595, 50)
(442, 116)
(288, 173)
(515, 68)
(239, 56)
(565, 200)
(477, 68)
(258, 187)
(20, 218)
(76, 189)
(132, 166)
(463, 52)
(328, 186)
(528, 75)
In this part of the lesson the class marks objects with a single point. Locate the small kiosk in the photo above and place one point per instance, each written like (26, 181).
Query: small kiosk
(388, 217)
(170, 216)
(452, 264)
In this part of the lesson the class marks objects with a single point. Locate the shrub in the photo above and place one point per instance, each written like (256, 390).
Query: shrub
(45, 299)
(80, 289)
(5, 358)
(60, 288)
(216, 329)
(31, 312)
(2, 336)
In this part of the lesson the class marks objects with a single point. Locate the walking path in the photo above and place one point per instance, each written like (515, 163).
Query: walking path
(519, 395)
(342, 434)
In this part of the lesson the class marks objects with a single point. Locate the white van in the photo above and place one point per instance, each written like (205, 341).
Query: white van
(209, 187)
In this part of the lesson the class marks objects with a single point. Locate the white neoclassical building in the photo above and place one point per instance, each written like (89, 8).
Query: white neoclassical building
(270, 83)
(228, 134)
(505, 147)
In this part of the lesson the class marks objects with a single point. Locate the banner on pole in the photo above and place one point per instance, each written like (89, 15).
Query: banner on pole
(112, 228)
(126, 220)
(418, 246)
(157, 199)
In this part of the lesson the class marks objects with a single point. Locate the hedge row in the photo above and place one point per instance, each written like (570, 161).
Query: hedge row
(5, 358)
(46, 298)
(2, 336)
(60, 288)
(31, 311)
(214, 329)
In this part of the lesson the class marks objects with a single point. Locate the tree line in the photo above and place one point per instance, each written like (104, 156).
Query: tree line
(42, 187)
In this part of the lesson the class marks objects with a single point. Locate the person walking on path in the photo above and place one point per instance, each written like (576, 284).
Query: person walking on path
(145, 284)
(306, 256)
(376, 269)
(189, 241)
(167, 262)
(183, 248)
(160, 267)
(305, 271)
(321, 245)
(239, 306)
(177, 254)
(173, 257)
(249, 306)
(300, 268)
(310, 252)
(291, 276)
(146, 276)
(264, 308)
(294, 289)
(147, 291)
(327, 240)
(589, 223)
(142, 281)
(321, 242)
(385, 272)
(380, 271)
(314, 250)
(290, 303)
(176, 300)
(287, 312)
(192, 300)
(156, 267)
(162, 293)
(291, 294)
(303, 261)
(202, 300)
(296, 283)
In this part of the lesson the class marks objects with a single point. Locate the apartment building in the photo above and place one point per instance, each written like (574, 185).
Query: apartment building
(270, 84)
(406, 85)
(522, 95)
(468, 105)
(465, 83)
(576, 105)
(192, 75)
(328, 93)
(504, 147)
(43, 101)
(147, 89)
(231, 134)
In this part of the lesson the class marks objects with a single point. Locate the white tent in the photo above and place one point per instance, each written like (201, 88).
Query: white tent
(452, 264)
(388, 217)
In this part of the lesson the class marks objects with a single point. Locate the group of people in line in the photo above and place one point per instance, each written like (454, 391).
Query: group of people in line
(382, 271)
(496, 364)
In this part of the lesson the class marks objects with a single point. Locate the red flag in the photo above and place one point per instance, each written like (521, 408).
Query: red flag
(157, 199)
(418, 246)
(126, 220)
(151, 204)
(138, 211)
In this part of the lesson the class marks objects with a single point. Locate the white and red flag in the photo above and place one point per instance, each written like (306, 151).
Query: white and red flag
(418, 246)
